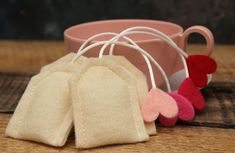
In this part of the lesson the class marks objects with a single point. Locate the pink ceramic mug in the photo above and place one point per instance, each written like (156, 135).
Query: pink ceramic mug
(161, 51)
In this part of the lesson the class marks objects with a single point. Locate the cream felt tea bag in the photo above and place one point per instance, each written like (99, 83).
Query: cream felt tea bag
(139, 77)
(44, 112)
(141, 83)
(105, 105)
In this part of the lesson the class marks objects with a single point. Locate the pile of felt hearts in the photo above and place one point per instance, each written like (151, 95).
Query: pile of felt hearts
(182, 104)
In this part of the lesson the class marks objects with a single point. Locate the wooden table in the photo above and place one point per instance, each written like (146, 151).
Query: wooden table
(29, 56)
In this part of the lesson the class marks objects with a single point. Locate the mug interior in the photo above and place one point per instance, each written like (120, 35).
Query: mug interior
(83, 31)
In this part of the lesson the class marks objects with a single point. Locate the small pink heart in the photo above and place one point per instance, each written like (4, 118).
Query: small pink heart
(186, 110)
(158, 102)
(192, 93)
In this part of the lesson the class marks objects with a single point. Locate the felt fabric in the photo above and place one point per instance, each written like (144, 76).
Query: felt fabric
(141, 82)
(105, 105)
(158, 102)
(44, 113)
(168, 122)
(199, 66)
(65, 59)
(186, 110)
(192, 93)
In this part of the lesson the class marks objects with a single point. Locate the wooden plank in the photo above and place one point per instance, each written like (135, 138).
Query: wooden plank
(177, 139)
(12, 86)
(28, 56)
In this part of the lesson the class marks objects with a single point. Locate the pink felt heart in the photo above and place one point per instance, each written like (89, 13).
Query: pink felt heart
(158, 102)
(186, 110)
(192, 93)
(199, 66)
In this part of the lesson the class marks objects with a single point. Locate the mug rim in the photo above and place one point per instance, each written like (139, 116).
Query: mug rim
(81, 40)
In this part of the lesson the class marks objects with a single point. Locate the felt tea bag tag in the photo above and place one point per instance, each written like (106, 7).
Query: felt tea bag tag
(164, 108)
(105, 105)
(199, 67)
(168, 107)
(44, 112)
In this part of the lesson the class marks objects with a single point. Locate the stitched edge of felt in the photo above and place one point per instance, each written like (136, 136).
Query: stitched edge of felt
(13, 128)
(141, 83)
(100, 62)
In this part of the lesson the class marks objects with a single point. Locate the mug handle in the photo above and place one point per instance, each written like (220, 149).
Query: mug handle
(205, 32)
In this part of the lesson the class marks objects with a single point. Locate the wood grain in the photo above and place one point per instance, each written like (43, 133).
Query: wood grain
(12, 87)
(29, 56)
(178, 139)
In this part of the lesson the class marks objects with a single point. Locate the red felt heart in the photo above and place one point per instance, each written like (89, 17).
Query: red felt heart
(168, 122)
(192, 93)
(158, 102)
(199, 66)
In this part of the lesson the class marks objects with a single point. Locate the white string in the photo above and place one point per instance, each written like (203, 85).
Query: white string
(90, 39)
(150, 69)
(158, 34)
(142, 51)
(180, 51)
(117, 37)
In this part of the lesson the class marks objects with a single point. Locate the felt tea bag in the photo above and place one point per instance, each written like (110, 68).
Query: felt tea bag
(44, 112)
(105, 105)
(139, 77)
(141, 83)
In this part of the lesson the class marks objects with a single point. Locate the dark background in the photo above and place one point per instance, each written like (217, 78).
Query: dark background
(47, 19)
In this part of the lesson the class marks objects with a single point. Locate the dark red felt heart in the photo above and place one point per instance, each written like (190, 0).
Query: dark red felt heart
(192, 93)
(168, 122)
(199, 66)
